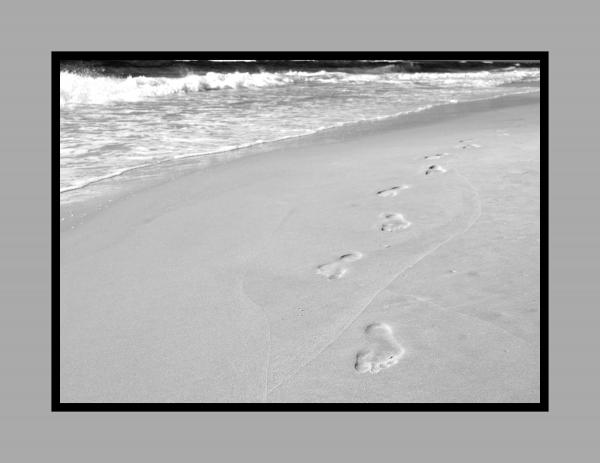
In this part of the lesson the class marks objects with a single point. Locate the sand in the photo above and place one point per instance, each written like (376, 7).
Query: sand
(399, 263)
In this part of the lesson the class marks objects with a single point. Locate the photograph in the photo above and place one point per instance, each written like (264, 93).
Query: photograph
(299, 231)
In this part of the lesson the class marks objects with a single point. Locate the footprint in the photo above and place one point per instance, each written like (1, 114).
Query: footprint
(392, 191)
(466, 144)
(435, 168)
(338, 268)
(393, 222)
(436, 156)
(382, 352)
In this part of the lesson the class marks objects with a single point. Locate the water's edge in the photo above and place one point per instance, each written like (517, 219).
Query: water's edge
(131, 181)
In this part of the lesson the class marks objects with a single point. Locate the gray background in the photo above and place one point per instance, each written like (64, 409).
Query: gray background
(29, 32)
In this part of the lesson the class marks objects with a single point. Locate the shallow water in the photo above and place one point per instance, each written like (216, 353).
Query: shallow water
(112, 124)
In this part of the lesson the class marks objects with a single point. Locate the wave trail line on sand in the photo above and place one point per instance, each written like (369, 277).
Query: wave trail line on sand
(394, 277)
(252, 301)
(470, 317)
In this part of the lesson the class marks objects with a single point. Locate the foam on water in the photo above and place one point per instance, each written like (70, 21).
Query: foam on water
(75, 88)
(110, 125)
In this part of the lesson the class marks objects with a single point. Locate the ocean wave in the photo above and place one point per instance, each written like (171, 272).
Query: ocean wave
(78, 88)
(478, 79)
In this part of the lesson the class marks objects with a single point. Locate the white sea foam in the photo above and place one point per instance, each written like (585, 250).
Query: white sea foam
(78, 89)
(75, 88)
(211, 116)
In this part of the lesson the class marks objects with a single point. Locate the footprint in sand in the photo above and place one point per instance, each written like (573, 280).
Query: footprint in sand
(383, 351)
(436, 156)
(338, 268)
(435, 168)
(392, 191)
(466, 144)
(393, 222)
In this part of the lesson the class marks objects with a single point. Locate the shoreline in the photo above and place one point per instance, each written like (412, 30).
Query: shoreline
(118, 186)
(286, 276)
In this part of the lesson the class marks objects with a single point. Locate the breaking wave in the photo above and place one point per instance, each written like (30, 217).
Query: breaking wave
(78, 88)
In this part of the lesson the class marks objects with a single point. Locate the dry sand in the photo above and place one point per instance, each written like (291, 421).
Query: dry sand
(398, 265)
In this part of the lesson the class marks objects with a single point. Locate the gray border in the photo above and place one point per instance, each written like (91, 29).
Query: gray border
(28, 33)
(540, 57)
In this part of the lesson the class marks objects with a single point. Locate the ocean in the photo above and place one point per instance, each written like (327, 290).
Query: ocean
(124, 119)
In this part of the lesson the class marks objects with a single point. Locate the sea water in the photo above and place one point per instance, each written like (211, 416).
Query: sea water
(120, 119)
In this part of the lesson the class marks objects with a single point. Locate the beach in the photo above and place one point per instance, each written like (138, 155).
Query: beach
(398, 262)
